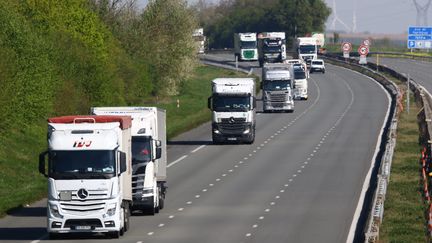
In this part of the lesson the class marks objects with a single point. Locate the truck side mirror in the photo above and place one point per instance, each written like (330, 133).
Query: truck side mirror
(42, 163)
(209, 101)
(123, 163)
(158, 149)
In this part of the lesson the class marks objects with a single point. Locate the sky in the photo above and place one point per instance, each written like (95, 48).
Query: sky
(374, 16)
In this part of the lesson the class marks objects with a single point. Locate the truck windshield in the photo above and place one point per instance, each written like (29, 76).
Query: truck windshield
(276, 85)
(231, 103)
(272, 49)
(141, 149)
(85, 164)
(299, 75)
(307, 49)
(248, 44)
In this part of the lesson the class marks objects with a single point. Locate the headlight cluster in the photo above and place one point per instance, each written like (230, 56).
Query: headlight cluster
(111, 209)
(54, 210)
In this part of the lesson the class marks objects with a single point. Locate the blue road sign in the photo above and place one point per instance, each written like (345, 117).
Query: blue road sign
(419, 37)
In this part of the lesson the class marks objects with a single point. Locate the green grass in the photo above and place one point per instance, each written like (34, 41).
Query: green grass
(20, 181)
(404, 209)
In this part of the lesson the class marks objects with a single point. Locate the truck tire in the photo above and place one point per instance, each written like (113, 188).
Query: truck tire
(151, 209)
(114, 234)
(126, 224)
(161, 198)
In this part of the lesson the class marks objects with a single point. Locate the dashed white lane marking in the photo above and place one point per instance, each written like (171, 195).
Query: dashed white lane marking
(204, 190)
(171, 216)
(254, 226)
(176, 161)
(223, 175)
(150, 233)
(197, 196)
(267, 210)
(200, 147)
(261, 218)
(180, 209)
(161, 225)
(139, 242)
(189, 203)
(248, 234)
(211, 184)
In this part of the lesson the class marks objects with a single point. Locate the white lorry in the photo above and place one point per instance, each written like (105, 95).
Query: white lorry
(307, 49)
(200, 40)
(277, 85)
(245, 46)
(233, 105)
(300, 81)
(149, 155)
(271, 47)
(89, 173)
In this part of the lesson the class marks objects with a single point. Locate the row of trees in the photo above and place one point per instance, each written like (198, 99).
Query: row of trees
(295, 17)
(62, 57)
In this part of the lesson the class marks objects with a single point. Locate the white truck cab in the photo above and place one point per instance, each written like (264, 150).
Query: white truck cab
(233, 106)
(300, 81)
(89, 169)
(149, 155)
(277, 86)
(245, 46)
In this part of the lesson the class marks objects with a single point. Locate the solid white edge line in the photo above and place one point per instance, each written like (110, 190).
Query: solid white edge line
(176, 161)
(360, 203)
(200, 147)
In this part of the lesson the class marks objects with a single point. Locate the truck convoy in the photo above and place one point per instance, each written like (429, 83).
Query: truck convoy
(271, 47)
(277, 86)
(233, 106)
(245, 46)
(88, 166)
(300, 81)
(306, 49)
(149, 159)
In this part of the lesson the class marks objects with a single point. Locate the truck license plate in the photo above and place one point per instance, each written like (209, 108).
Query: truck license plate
(83, 227)
(232, 139)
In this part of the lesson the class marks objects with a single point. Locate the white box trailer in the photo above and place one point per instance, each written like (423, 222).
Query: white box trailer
(149, 154)
(89, 173)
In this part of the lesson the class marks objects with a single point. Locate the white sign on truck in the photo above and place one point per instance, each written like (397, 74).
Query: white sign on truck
(149, 155)
(89, 174)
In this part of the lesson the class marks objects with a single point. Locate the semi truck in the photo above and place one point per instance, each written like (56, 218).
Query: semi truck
(149, 155)
(233, 106)
(271, 47)
(89, 170)
(301, 75)
(277, 85)
(245, 46)
(200, 40)
(306, 49)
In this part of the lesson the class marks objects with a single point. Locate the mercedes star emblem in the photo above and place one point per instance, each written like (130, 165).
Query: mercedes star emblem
(231, 120)
(82, 193)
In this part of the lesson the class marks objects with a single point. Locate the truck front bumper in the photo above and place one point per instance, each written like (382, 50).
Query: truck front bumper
(102, 220)
(232, 132)
(278, 106)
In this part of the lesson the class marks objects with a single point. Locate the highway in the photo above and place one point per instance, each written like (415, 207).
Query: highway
(300, 181)
(419, 71)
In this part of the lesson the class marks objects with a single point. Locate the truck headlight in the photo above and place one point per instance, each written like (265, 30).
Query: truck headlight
(246, 131)
(111, 209)
(54, 210)
(216, 131)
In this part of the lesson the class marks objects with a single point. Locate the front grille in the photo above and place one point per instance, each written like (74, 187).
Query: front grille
(278, 97)
(72, 223)
(277, 105)
(95, 201)
(138, 179)
(233, 120)
(248, 54)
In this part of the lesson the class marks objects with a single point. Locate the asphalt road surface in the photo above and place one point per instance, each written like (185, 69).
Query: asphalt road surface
(299, 182)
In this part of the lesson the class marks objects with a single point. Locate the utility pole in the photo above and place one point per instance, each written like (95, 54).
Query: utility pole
(422, 13)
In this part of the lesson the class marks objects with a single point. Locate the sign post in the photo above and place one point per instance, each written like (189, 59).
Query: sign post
(363, 50)
(419, 37)
(346, 49)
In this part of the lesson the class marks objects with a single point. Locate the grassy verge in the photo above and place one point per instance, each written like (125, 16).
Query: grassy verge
(20, 181)
(404, 219)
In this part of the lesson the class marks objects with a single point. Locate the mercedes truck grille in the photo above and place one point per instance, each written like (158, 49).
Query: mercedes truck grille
(94, 201)
(72, 223)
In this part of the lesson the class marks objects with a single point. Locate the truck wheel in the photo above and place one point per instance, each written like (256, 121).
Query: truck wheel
(126, 224)
(161, 199)
(114, 234)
